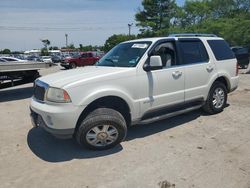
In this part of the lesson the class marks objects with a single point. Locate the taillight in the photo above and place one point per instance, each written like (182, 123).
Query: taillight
(237, 68)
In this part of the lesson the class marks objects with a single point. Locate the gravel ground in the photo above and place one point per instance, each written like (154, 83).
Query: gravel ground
(191, 150)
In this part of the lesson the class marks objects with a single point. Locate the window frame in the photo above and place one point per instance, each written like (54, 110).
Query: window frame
(159, 42)
(181, 62)
(214, 54)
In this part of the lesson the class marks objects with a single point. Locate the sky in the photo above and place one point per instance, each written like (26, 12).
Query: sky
(24, 23)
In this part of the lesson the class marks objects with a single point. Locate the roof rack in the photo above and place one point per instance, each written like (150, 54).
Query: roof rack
(192, 35)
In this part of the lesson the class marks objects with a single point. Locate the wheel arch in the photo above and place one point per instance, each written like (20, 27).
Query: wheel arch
(225, 81)
(110, 101)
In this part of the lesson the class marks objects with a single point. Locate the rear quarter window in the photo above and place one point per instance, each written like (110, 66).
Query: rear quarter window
(221, 50)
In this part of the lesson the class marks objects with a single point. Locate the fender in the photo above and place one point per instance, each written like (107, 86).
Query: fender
(216, 76)
(225, 75)
(99, 93)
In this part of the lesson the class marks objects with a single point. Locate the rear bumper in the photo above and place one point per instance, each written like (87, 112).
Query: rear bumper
(234, 83)
(37, 121)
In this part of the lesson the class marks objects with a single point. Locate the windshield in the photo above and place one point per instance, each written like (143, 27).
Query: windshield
(124, 55)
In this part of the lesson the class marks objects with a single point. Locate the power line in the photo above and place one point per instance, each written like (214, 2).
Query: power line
(24, 28)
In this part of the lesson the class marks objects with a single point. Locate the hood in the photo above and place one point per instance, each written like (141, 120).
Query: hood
(80, 75)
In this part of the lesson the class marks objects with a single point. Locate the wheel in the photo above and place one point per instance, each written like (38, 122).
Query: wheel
(73, 65)
(102, 129)
(217, 98)
(66, 67)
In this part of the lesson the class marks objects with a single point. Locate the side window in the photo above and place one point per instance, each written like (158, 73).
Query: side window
(167, 52)
(84, 55)
(221, 49)
(90, 55)
(9, 59)
(193, 52)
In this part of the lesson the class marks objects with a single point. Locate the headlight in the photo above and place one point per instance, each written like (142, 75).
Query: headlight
(57, 95)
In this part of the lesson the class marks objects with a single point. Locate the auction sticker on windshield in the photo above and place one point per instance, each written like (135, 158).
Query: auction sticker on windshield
(138, 45)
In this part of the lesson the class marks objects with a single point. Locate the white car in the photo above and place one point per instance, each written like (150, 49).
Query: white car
(12, 59)
(46, 59)
(2, 60)
(137, 82)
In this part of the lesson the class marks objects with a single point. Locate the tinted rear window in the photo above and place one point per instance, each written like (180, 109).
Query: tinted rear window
(193, 52)
(221, 50)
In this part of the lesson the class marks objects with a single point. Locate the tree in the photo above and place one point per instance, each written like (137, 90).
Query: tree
(116, 39)
(46, 43)
(53, 48)
(194, 12)
(155, 15)
(229, 19)
(44, 52)
(71, 46)
(86, 48)
(5, 51)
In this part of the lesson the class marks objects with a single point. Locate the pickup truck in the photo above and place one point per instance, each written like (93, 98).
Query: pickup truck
(137, 82)
(83, 59)
(242, 56)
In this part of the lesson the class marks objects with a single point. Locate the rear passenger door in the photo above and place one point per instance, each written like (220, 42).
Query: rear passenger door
(197, 67)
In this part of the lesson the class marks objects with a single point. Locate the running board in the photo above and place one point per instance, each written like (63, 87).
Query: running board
(169, 115)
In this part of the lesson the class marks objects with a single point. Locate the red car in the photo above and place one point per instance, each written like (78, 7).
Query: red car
(83, 59)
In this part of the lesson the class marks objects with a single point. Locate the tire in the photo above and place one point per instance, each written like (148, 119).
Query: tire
(216, 94)
(102, 129)
(73, 65)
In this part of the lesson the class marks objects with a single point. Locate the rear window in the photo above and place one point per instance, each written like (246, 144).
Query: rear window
(221, 49)
(193, 52)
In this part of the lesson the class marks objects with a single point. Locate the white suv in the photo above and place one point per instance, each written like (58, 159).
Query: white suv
(137, 82)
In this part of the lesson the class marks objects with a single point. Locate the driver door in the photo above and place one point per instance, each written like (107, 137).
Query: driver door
(163, 89)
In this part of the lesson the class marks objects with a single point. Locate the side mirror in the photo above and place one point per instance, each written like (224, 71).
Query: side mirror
(155, 63)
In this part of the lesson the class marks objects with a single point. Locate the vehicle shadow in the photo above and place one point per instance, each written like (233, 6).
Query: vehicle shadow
(140, 131)
(13, 94)
(50, 149)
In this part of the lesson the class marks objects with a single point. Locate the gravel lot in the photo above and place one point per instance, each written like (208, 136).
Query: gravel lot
(191, 150)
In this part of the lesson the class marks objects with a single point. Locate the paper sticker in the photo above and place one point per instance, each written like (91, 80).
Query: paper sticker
(143, 46)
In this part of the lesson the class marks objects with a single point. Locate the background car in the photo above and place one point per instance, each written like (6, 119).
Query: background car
(2, 60)
(12, 59)
(82, 59)
(242, 55)
(56, 59)
(34, 58)
(46, 59)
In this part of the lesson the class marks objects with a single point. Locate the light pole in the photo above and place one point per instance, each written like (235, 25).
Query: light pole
(66, 36)
(129, 28)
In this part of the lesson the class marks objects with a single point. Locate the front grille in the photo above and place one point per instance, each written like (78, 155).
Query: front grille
(39, 92)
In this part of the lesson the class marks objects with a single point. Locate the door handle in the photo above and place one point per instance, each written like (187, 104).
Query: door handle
(210, 68)
(177, 74)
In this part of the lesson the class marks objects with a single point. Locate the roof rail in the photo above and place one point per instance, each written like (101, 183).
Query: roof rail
(192, 35)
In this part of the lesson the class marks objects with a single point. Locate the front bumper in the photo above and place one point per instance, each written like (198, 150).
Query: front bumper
(58, 119)
(37, 121)
(65, 64)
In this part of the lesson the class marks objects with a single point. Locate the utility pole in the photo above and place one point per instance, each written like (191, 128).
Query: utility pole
(129, 29)
(66, 36)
